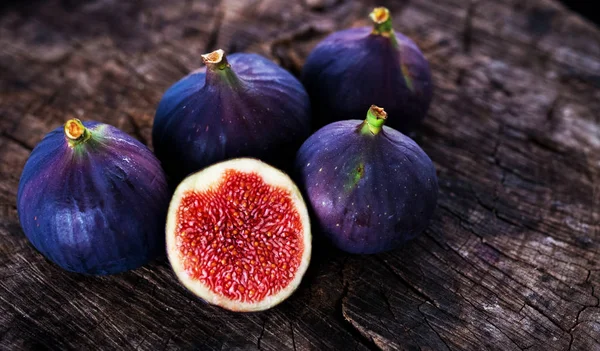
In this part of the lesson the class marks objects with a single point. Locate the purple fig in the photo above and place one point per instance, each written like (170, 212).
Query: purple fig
(93, 200)
(351, 69)
(242, 105)
(370, 187)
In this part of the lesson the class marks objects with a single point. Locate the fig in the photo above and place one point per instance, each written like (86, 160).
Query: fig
(238, 235)
(351, 69)
(93, 200)
(370, 187)
(242, 105)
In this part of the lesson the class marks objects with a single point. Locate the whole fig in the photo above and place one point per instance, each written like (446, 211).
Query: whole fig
(93, 200)
(370, 187)
(240, 105)
(351, 69)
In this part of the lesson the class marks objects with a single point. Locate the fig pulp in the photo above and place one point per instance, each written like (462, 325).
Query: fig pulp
(239, 105)
(371, 188)
(93, 200)
(351, 69)
(238, 235)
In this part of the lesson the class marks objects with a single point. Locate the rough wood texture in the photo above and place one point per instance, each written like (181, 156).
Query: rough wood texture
(510, 262)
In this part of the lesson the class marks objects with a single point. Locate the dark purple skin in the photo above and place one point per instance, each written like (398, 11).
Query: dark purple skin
(257, 109)
(368, 193)
(98, 207)
(351, 69)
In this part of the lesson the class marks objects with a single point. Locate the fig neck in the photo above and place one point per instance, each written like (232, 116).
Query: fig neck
(76, 133)
(373, 124)
(382, 24)
(219, 71)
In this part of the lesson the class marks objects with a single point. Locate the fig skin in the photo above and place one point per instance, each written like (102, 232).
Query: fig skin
(369, 193)
(351, 69)
(93, 200)
(242, 105)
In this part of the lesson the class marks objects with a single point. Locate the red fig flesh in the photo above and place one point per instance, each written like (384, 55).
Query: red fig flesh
(238, 235)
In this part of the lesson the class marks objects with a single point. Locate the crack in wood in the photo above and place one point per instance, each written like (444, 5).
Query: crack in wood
(262, 333)
(292, 333)
(537, 309)
(487, 319)
(410, 286)
(388, 304)
(497, 296)
(475, 283)
(467, 37)
(17, 141)
(430, 326)
(141, 342)
(172, 336)
(366, 340)
(503, 333)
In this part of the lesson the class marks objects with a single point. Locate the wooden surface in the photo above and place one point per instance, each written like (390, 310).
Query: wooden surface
(510, 262)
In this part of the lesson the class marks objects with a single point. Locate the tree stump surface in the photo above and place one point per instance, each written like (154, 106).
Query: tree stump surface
(511, 260)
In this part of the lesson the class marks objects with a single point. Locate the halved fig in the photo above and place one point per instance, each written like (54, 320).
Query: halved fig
(238, 235)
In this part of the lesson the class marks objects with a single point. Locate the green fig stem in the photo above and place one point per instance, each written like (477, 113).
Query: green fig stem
(382, 23)
(373, 124)
(75, 132)
(218, 68)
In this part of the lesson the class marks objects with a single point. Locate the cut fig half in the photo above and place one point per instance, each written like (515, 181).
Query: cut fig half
(238, 235)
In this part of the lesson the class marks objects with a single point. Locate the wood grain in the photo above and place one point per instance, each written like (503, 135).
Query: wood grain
(511, 260)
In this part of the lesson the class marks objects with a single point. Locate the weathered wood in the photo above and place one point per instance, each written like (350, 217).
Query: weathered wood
(510, 262)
